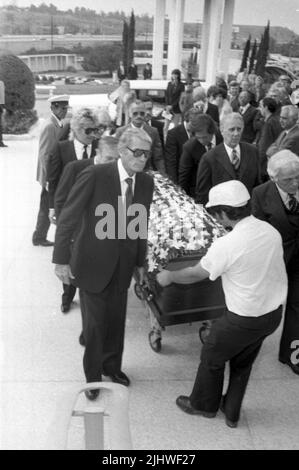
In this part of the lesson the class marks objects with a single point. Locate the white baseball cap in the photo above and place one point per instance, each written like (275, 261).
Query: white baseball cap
(59, 99)
(231, 193)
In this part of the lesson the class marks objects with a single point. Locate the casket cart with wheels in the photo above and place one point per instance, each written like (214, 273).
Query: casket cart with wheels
(183, 303)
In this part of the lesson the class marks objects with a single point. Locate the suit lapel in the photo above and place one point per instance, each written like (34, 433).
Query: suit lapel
(243, 162)
(224, 160)
(276, 206)
(113, 184)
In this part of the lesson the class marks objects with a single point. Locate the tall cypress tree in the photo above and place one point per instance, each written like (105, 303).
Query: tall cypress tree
(245, 55)
(125, 45)
(131, 39)
(252, 57)
(263, 52)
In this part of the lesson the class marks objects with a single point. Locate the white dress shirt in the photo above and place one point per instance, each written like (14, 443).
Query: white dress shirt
(243, 109)
(249, 260)
(229, 152)
(60, 123)
(79, 149)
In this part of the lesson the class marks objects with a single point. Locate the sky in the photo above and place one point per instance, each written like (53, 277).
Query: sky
(256, 12)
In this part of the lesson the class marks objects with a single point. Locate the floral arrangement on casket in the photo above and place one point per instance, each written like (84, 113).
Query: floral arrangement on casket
(177, 226)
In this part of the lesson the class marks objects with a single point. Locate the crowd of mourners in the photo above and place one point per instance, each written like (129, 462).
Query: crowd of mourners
(234, 148)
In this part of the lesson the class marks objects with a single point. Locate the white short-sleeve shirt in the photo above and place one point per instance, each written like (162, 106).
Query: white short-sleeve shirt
(249, 260)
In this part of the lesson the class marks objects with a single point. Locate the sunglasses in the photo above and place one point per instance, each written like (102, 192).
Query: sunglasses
(138, 113)
(138, 153)
(94, 130)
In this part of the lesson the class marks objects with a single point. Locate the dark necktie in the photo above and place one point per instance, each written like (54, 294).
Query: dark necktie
(85, 154)
(293, 204)
(235, 159)
(129, 192)
(209, 146)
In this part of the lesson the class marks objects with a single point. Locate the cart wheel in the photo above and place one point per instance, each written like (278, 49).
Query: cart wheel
(155, 342)
(138, 291)
(204, 332)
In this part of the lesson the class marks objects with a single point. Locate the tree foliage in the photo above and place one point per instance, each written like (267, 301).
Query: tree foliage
(263, 52)
(19, 83)
(245, 55)
(131, 39)
(101, 58)
(252, 57)
(125, 44)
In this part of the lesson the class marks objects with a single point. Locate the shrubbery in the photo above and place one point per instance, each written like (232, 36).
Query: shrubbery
(19, 94)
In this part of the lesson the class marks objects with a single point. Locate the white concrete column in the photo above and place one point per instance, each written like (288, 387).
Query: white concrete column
(226, 35)
(158, 39)
(214, 36)
(175, 41)
(202, 57)
(171, 35)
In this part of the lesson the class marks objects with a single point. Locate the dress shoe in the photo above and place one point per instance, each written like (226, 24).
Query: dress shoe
(92, 394)
(154, 341)
(42, 243)
(293, 367)
(65, 308)
(82, 339)
(229, 422)
(119, 378)
(2, 144)
(184, 404)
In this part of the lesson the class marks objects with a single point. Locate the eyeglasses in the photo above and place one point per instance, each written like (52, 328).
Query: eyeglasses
(93, 130)
(138, 113)
(138, 153)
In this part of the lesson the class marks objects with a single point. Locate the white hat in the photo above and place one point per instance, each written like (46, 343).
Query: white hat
(231, 193)
(59, 99)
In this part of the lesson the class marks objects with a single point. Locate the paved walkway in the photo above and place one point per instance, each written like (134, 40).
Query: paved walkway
(41, 359)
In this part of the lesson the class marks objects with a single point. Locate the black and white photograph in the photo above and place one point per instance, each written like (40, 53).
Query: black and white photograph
(149, 234)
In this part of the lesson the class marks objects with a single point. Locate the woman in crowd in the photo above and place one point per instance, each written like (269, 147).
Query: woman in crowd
(172, 98)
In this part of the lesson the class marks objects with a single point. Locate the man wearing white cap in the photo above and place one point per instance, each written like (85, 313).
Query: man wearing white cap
(249, 260)
(50, 134)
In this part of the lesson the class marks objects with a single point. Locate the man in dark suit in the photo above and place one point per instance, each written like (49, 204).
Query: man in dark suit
(86, 127)
(151, 120)
(249, 114)
(137, 114)
(228, 161)
(110, 245)
(233, 95)
(200, 101)
(49, 136)
(270, 130)
(277, 202)
(175, 140)
(206, 136)
(289, 137)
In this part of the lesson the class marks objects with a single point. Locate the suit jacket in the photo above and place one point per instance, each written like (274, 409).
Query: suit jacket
(159, 125)
(175, 140)
(173, 94)
(267, 135)
(234, 102)
(94, 261)
(267, 205)
(49, 136)
(212, 110)
(67, 181)
(249, 131)
(63, 153)
(215, 167)
(156, 162)
(288, 141)
(191, 156)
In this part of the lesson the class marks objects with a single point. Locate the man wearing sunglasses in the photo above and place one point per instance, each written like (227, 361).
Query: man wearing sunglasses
(137, 113)
(87, 126)
(101, 263)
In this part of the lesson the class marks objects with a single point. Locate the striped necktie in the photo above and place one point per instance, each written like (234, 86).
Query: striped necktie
(293, 204)
(85, 154)
(235, 159)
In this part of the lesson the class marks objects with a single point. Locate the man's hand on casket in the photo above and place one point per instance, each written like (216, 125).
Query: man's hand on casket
(163, 278)
(143, 280)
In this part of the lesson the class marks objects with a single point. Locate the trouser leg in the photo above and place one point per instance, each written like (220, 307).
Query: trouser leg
(68, 295)
(43, 222)
(290, 331)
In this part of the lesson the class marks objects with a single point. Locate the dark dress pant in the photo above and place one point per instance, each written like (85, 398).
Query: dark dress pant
(103, 317)
(238, 340)
(290, 331)
(43, 222)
